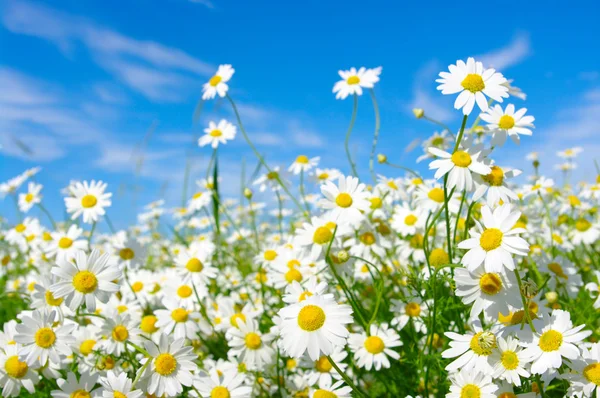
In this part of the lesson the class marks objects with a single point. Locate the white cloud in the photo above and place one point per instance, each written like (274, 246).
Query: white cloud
(17, 89)
(512, 54)
(206, 3)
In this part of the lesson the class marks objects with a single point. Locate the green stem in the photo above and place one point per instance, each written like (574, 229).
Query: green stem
(411, 171)
(461, 133)
(375, 136)
(345, 377)
(525, 306)
(347, 140)
(438, 123)
(91, 233)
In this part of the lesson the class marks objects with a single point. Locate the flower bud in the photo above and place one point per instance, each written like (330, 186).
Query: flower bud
(248, 193)
(343, 256)
(419, 113)
(552, 297)
(381, 158)
(529, 289)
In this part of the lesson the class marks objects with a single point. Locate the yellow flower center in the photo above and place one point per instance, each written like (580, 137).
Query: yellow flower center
(89, 201)
(495, 178)
(470, 390)
(324, 394)
(50, 300)
(120, 333)
(323, 176)
(29, 197)
(343, 200)
(253, 341)
(137, 286)
(367, 238)
(184, 291)
(293, 275)
(490, 284)
(591, 373)
(87, 346)
(302, 159)
(392, 184)
(410, 220)
(220, 392)
(65, 243)
(270, 255)
(126, 254)
(413, 309)
(148, 324)
(506, 122)
(311, 318)
(353, 80)
(574, 200)
(117, 394)
(438, 257)
(15, 368)
(304, 295)
(374, 344)
(194, 265)
(85, 282)
(376, 203)
(216, 133)
(45, 337)
(216, 79)
(483, 343)
(165, 364)
(323, 365)
(5, 260)
(557, 270)
(322, 235)
(235, 317)
(491, 239)
(582, 225)
(437, 195)
(20, 228)
(121, 308)
(179, 315)
(550, 341)
(473, 83)
(510, 360)
(80, 394)
(416, 242)
(461, 159)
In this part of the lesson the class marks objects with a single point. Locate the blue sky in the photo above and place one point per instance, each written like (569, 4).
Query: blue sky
(82, 84)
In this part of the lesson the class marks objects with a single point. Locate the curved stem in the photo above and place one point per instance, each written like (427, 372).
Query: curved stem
(345, 377)
(347, 140)
(375, 135)
(411, 171)
(47, 213)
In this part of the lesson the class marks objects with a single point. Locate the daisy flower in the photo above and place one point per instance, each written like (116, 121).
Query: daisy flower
(31, 198)
(321, 370)
(413, 310)
(178, 321)
(65, 244)
(507, 123)
(585, 232)
(131, 253)
(198, 201)
(118, 386)
(303, 164)
(335, 390)
(508, 361)
(218, 83)
(73, 388)
(353, 81)
(495, 186)
(88, 199)
(216, 134)
(372, 351)
(474, 83)
(494, 243)
(471, 350)
(42, 340)
(542, 186)
(459, 166)
(15, 373)
(471, 383)
(314, 325)
(555, 338)
(250, 346)
(42, 297)
(407, 221)
(570, 153)
(345, 201)
(586, 372)
(88, 278)
(194, 264)
(119, 329)
(226, 383)
(295, 292)
(316, 235)
(323, 175)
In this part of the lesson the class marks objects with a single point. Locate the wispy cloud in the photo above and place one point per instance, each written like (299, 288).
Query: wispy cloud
(206, 3)
(511, 54)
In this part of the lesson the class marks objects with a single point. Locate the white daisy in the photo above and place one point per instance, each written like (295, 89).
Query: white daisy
(345, 201)
(31, 198)
(73, 388)
(329, 390)
(494, 184)
(459, 166)
(118, 386)
(218, 83)
(471, 383)
(508, 361)
(303, 164)
(180, 322)
(64, 245)
(15, 373)
(353, 81)
(216, 134)
(471, 350)
(585, 377)
(503, 123)
(372, 351)
(250, 346)
(88, 199)
(227, 383)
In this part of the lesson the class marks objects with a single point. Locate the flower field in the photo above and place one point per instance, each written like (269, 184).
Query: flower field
(470, 280)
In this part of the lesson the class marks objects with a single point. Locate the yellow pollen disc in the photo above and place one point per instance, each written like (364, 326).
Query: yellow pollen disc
(510, 360)
(89, 201)
(582, 225)
(592, 373)
(557, 270)
(413, 309)
(491, 239)
(353, 80)
(50, 300)
(323, 176)
(438, 257)
(194, 265)
(322, 235)
(235, 317)
(473, 83)
(311, 318)
(324, 394)
(323, 365)
(137, 286)
(270, 255)
(507, 395)
(374, 345)
(126, 254)
(343, 200)
(29, 197)
(45, 337)
(85, 282)
(65, 243)
(557, 238)
(220, 392)
(253, 341)
(165, 364)
(416, 242)
(410, 220)
(461, 159)
(376, 203)
(121, 308)
(179, 315)
(304, 295)
(574, 200)
(216, 133)
(216, 79)
(392, 185)
(46, 236)
(495, 178)
(20, 228)
(506, 122)
(437, 195)
(80, 394)
(470, 390)
(87, 347)
(293, 275)
(15, 368)
(5, 260)
(367, 238)
(550, 341)
(148, 324)
(272, 175)
(120, 333)
(293, 263)
(302, 159)
(490, 284)
(117, 394)
(184, 291)
(483, 343)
